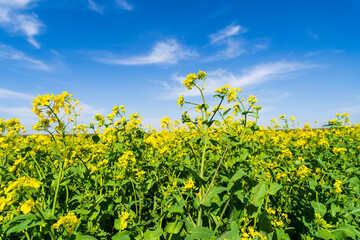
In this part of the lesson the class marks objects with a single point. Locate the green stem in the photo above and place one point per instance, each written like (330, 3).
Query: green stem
(186, 206)
(38, 166)
(176, 221)
(217, 169)
(221, 216)
(27, 235)
(44, 220)
(57, 189)
(218, 107)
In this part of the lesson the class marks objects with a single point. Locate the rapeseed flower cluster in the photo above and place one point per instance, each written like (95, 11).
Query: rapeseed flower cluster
(189, 82)
(189, 185)
(249, 233)
(69, 222)
(321, 223)
(124, 220)
(337, 186)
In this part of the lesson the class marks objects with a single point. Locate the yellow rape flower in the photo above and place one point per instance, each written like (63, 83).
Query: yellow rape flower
(181, 101)
(201, 75)
(189, 82)
(303, 171)
(27, 206)
(321, 223)
(23, 182)
(124, 220)
(337, 186)
(69, 222)
(189, 184)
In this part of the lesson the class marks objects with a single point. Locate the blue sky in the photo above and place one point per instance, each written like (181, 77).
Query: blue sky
(300, 58)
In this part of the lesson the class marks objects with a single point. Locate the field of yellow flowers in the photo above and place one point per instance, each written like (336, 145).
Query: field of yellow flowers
(217, 175)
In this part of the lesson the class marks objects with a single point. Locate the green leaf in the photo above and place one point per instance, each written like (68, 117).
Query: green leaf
(196, 176)
(200, 232)
(95, 138)
(193, 139)
(323, 234)
(280, 234)
(24, 225)
(240, 196)
(21, 217)
(259, 192)
(121, 236)
(153, 235)
(263, 156)
(224, 236)
(355, 211)
(345, 232)
(274, 188)
(238, 175)
(226, 112)
(322, 164)
(265, 222)
(319, 208)
(244, 155)
(234, 233)
(84, 237)
(312, 184)
(251, 210)
(333, 209)
(188, 224)
(212, 193)
(117, 224)
(176, 209)
(174, 227)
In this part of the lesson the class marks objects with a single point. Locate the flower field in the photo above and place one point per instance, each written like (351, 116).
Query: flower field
(216, 175)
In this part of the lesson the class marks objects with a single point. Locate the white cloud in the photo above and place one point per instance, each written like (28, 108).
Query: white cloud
(168, 52)
(8, 53)
(8, 94)
(124, 5)
(90, 110)
(13, 19)
(313, 35)
(96, 7)
(314, 53)
(233, 48)
(252, 76)
(229, 31)
(22, 112)
(352, 110)
(15, 3)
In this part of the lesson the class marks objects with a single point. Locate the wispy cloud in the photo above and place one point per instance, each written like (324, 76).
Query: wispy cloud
(252, 76)
(96, 7)
(9, 54)
(351, 105)
(231, 46)
(124, 5)
(166, 52)
(313, 35)
(13, 18)
(229, 31)
(314, 53)
(15, 3)
(22, 112)
(8, 94)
